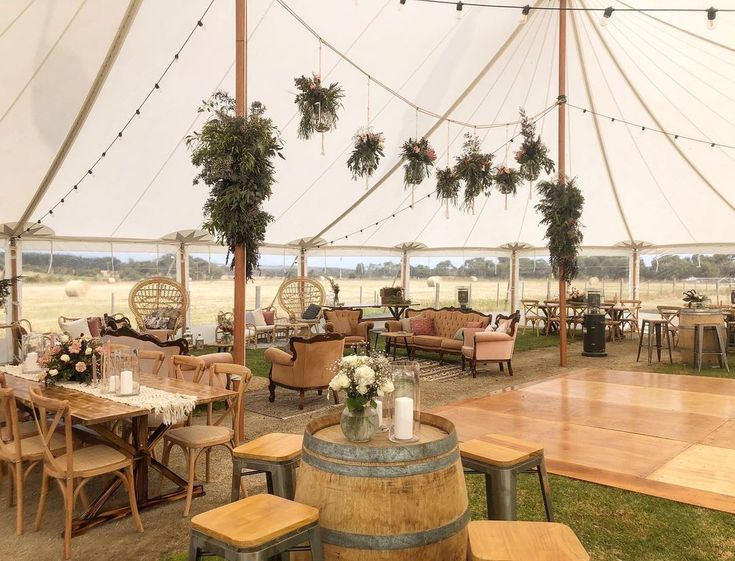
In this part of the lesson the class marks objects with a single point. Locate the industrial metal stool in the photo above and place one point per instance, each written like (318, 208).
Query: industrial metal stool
(523, 541)
(659, 328)
(501, 458)
(275, 454)
(699, 330)
(257, 528)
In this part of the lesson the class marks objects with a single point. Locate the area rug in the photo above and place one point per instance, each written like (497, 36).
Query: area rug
(286, 405)
(434, 371)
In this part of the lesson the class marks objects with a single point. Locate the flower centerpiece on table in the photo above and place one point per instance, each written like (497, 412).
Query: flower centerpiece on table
(363, 379)
(366, 153)
(575, 295)
(71, 360)
(420, 157)
(694, 299)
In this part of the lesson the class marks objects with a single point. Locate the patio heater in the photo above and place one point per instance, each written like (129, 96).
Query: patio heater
(463, 296)
(594, 326)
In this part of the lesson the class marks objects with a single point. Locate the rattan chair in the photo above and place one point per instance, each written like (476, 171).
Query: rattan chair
(195, 439)
(162, 295)
(297, 294)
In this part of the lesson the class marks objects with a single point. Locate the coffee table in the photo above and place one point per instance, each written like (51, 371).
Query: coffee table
(392, 339)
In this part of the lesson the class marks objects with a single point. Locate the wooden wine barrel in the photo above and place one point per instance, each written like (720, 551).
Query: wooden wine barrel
(688, 319)
(386, 501)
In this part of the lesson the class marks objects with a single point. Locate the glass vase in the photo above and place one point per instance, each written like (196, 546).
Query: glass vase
(405, 410)
(359, 426)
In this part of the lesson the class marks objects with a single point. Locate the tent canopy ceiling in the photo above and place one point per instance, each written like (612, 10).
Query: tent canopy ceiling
(664, 70)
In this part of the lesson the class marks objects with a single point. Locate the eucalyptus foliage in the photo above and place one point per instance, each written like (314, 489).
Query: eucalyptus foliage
(561, 210)
(474, 168)
(506, 180)
(235, 159)
(533, 155)
(5, 286)
(447, 185)
(366, 153)
(317, 105)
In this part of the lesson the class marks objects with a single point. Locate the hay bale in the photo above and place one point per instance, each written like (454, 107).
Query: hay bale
(76, 289)
(431, 282)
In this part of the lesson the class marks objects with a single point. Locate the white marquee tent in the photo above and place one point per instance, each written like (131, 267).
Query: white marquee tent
(74, 71)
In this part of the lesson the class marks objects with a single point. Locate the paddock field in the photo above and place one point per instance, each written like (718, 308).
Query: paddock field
(45, 302)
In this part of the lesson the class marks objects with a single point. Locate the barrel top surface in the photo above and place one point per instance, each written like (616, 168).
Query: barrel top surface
(333, 434)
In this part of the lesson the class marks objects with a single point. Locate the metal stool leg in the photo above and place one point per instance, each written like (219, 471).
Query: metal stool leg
(315, 541)
(283, 478)
(668, 342)
(545, 490)
(194, 549)
(650, 345)
(723, 349)
(640, 340)
(236, 476)
(503, 503)
(700, 346)
(657, 331)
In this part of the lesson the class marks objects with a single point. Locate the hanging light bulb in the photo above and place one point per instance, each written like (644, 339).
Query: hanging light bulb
(459, 10)
(711, 15)
(401, 4)
(606, 16)
(524, 13)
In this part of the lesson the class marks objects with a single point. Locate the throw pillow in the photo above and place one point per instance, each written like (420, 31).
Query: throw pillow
(490, 327)
(311, 311)
(406, 324)
(95, 326)
(259, 318)
(155, 320)
(76, 328)
(475, 324)
(459, 334)
(503, 326)
(269, 316)
(249, 318)
(422, 326)
(341, 325)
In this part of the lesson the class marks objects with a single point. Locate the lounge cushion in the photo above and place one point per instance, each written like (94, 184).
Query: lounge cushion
(311, 311)
(422, 326)
(427, 341)
(270, 316)
(406, 324)
(77, 328)
(259, 318)
(452, 344)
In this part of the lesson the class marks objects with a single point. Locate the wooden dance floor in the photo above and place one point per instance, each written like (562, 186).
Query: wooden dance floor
(660, 434)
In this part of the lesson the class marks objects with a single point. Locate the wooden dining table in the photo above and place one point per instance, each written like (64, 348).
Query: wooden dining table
(94, 418)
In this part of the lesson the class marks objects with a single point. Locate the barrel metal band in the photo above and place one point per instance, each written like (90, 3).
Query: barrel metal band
(400, 541)
(389, 454)
(352, 470)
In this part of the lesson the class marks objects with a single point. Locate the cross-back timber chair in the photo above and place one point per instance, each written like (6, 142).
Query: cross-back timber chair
(156, 299)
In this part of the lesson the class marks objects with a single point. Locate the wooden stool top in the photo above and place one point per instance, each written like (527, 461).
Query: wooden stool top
(500, 450)
(492, 540)
(255, 521)
(274, 447)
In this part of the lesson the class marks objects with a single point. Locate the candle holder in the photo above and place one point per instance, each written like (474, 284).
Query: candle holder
(405, 409)
(120, 372)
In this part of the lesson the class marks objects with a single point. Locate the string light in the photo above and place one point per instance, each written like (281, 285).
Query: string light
(524, 13)
(459, 10)
(103, 154)
(711, 15)
(606, 15)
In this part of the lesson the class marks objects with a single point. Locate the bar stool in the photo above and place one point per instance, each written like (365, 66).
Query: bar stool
(523, 541)
(659, 328)
(699, 331)
(501, 458)
(257, 528)
(275, 454)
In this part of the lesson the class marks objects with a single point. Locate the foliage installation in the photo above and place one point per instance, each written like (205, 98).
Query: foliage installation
(317, 105)
(366, 153)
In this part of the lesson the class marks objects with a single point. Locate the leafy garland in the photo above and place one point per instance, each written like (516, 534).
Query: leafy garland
(474, 168)
(420, 157)
(235, 159)
(366, 153)
(506, 180)
(533, 155)
(5, 285)
(317, 105)
(561, 210)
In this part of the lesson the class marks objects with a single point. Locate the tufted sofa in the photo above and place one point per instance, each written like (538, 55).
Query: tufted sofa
(446, 323)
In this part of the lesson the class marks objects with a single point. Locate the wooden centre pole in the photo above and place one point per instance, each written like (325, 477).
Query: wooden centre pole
(561, 165)
(241, 75)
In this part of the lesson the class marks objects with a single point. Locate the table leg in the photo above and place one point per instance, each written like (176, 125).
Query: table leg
(140, 441)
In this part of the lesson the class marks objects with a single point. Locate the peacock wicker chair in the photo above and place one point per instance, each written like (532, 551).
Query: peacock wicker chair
(297, 294)
(157, 295)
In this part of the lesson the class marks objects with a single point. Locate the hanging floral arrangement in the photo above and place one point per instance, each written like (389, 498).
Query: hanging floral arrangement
(533, 155)
(447, 188)
(474, 169)
(317, 105)
(366, 153)
(420, 157)
(5, 285)
(506, 180)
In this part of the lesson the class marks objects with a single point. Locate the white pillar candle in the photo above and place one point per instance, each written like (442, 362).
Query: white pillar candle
(379, 409)
(113, 381)
(31, 362)
(403, 418)
(126, 382)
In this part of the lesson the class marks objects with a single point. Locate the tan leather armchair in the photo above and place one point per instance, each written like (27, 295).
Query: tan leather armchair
(348, 322)
(307, 367)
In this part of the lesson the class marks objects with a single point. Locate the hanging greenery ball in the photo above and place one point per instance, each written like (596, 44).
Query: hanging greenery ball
(474, 168)
(366, 153)
(447, 185)
(420, 157)
(533, 155)
(317, 105)
(506, 180)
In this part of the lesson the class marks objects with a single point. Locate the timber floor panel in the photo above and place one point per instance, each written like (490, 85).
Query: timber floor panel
(665, 435)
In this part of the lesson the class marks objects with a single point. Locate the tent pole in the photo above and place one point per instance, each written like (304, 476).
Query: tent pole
(303, 271)
(635, 273)
(405, 273)
(513, 280)
(15, 268)
(241, 46)
(561, 165)
(183, 279)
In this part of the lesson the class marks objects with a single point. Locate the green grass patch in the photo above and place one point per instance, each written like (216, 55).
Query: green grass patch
(687, 370)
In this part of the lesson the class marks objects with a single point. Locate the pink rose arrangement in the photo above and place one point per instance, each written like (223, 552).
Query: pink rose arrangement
(71, 360)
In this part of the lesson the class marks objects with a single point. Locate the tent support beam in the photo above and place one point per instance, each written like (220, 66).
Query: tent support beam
(303, 268)
(183, 275)
(457, 102)
(513, 281)
(405, 272)
(112, 52)
(561, 164)
(240, 256)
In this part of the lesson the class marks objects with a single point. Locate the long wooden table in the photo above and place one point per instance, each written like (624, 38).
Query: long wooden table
(93, 418)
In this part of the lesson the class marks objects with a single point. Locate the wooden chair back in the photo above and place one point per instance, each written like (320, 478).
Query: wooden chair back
(233, 405)
(9, 421)
(49, 415)
(155, 358)
(156, 294)
(182, 363)
(530, 307)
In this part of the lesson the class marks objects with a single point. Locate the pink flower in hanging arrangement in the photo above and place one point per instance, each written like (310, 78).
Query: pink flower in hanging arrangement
(431, 154)
(416, 149)
(419, 158)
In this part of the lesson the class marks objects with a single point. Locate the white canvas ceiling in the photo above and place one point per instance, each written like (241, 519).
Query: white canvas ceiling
(667, 71)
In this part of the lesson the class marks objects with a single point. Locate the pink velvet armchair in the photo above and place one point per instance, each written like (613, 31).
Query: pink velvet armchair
(491, 346)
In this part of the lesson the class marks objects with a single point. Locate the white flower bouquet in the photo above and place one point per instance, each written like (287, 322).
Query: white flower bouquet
(362, 378)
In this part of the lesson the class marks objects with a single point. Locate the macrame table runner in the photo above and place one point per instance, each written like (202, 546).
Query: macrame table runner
(170, 406)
